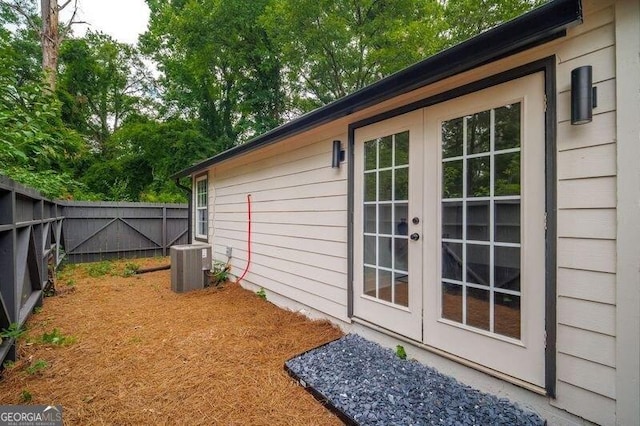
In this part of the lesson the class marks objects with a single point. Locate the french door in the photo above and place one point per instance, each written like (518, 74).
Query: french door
(471, 225)
(388, 196)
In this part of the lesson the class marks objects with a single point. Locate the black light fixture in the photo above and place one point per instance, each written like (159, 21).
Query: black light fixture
(583, 95)
(337, 155)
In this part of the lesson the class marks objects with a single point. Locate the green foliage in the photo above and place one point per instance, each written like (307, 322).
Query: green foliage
(14, 331)
(99, 269)
(220, 66)
(37, 367)
(334, 47)
(55, 337)
(37, 309)
(101, 84)
(466, 18)
(130, 269)
(219, 273)
(400, 352)
(262, 294)
(26, 396)
(9, 364)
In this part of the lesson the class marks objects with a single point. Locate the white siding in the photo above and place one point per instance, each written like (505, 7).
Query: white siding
(299, 222)
(586, 162)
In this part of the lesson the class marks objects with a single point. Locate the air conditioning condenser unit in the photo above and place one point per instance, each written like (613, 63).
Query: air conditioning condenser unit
(189, 266)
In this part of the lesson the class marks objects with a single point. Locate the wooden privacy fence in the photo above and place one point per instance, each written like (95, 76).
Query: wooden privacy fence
(30, 243)
(105, 230)
(36, 234)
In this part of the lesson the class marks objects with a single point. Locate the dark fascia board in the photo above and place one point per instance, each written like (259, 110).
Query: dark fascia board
(538, 26)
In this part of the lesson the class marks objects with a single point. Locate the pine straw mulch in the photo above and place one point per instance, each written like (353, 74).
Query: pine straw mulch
(145, 355)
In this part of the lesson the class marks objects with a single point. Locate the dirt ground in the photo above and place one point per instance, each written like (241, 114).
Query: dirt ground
(130, 351)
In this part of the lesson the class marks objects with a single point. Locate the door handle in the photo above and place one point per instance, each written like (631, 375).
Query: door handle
(415, 236)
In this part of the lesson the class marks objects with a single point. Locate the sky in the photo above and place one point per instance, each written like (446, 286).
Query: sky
(123, 20)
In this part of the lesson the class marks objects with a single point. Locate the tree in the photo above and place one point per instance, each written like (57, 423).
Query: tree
(466, 18)
(35, 146)
(218, 66)
(101, 83)
(143, 154)
(334, 47)
(48, 27)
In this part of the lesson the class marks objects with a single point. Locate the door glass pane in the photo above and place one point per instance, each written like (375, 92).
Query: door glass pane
(385, 218)
(507, 127)
(507, 268)
(386, 152)
(369, 250)
(507, 221)
(370, 186)
(452, 261)
(452, 138)
(478, 308)
(478, 223)
(402, 184)
(452, 301)
(452, 220)
(402, 149)
(401, 254)
(369, 281)
(401, 216)
(481, 228)
(385, 221)
(478, 264)
(507, 315)
(384, 252)
(452, 179)
(385, 183)
(478, 132)
(370, 218)
(401, 289)
(507, 174)
(478, 175)
(370, 155)
(385, 286)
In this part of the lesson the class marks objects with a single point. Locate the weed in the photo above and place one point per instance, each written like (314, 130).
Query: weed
(99, 269)
(57, 338)
(219, 273)
(14, 331)
(262, 294)
(71, 283)
(9, 364)
(130, 269)
(400, 352)
(37, 309)
(25, 396)
(37, 366)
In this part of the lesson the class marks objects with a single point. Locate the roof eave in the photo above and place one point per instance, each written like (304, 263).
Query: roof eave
(538, 26)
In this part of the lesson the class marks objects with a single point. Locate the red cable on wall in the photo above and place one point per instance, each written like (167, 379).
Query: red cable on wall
(248, 239)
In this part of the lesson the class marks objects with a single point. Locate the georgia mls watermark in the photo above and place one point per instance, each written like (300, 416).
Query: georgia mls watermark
(30, 415)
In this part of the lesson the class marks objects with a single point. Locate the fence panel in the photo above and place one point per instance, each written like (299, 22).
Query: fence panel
(96, 231)
(30, 241)
(36, 234)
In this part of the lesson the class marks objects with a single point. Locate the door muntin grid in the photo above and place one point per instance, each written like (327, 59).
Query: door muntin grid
(481, 197)
(385, 221)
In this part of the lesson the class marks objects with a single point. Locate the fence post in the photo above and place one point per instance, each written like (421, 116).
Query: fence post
(164, 230)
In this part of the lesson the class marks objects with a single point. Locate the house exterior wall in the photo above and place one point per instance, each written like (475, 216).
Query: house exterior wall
(299, 212)
(299, 222)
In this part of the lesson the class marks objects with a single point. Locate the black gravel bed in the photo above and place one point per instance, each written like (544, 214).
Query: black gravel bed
(369, 385)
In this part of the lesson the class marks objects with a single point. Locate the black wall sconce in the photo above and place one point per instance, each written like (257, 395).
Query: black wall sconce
(584, 97)
(337, 155)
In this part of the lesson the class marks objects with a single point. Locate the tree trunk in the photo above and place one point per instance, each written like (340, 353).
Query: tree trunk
(50, 41)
